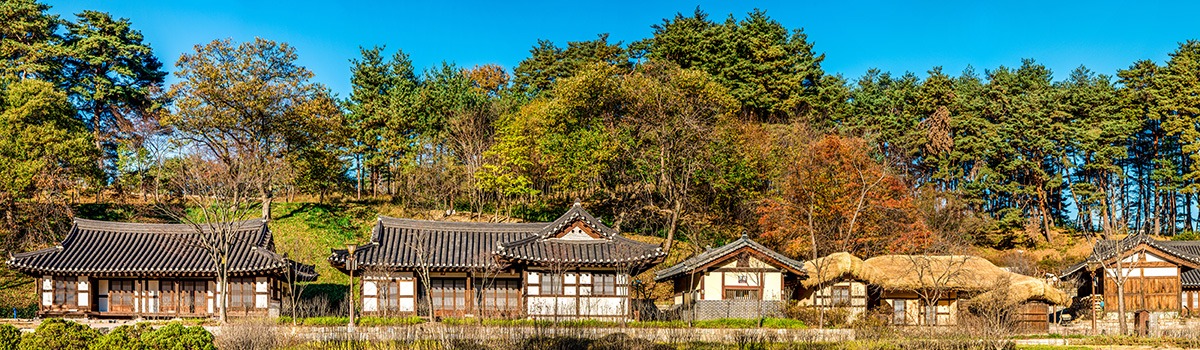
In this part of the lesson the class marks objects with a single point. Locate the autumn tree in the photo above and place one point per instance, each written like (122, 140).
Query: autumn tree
(253, 99)
(836, 198)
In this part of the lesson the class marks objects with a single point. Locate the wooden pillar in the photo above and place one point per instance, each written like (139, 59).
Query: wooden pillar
(524, 293)
(470, 297)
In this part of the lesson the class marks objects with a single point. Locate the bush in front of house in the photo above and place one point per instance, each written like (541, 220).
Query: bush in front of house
(56, 333)
(835, 317)
(10, 337)
(142, 336)
(126, 337)
(175, 336)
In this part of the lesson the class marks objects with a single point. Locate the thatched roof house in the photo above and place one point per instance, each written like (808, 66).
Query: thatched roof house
(949, 272)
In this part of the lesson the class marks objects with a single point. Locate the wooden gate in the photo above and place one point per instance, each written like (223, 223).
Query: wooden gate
(1033, 317)
(1141, 322)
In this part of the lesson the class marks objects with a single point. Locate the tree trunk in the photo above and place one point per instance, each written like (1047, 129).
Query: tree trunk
(266, 205)
(223, 303)
(1120, 283)
(674, 226)
(98, 140)
(359, 175)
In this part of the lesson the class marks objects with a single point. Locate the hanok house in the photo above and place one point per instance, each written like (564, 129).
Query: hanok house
(573, 267)
(126, 270)
(742, 279)
(1161, 277)
(925, 290)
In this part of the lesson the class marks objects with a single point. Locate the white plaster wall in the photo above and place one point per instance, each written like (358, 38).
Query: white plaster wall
(733, 278)
(151, 296)
(369, 288)
(407, 305)
(772, 286)
(601, 306)
(712, 285)
(1161, 271)
(47, 290)
(83, 299)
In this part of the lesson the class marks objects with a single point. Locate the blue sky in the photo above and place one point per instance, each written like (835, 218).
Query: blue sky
(854, 35)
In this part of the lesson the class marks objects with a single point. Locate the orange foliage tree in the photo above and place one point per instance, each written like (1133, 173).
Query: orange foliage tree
(835, 195)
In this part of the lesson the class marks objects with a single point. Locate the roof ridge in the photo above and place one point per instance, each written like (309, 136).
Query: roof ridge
(464, 226)
(103, 226)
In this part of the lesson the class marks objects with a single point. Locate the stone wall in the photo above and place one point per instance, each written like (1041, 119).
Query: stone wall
(1161, 324)
(715, 309)
(437, 331)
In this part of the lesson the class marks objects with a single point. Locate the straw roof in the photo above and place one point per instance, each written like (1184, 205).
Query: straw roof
(952, 272)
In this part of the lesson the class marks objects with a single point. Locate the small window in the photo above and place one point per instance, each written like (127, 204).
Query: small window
(841, 296)
(898, 312)
(743, 279)
(931, 314)
(552, 284)
(741, 294)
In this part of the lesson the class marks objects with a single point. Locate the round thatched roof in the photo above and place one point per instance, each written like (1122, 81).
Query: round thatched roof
(951, 272)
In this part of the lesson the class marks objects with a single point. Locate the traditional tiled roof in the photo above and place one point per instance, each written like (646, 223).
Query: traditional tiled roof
(616, 251)
(439, 245)
(115, 249)
(716, 254)
(401, 244)
(1191, 278)
(1108, 249)
(576, 213)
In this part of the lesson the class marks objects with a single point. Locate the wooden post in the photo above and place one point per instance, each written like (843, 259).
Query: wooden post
(350, 267)
(470, 297)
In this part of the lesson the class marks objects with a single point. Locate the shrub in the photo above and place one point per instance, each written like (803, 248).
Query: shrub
(175, 336)
(372, 321)
(786, 323)
(834, 317)
(727, 323)
(126, 337)
(10, 337)
(56, 333)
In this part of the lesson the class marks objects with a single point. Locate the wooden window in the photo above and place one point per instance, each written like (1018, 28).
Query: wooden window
(168, 299)
(936, 313)
(840, 296)
(389, 295)
(65, 291)
(552, 284)
(120, 295)
(193, 297)
(388, 292)
(609, 284)
(741, 294)
(241, 294)
(930, 312)
(899, 315)
(448, 294)
(500, 297)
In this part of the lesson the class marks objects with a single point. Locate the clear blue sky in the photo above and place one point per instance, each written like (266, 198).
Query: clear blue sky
(854, 35)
